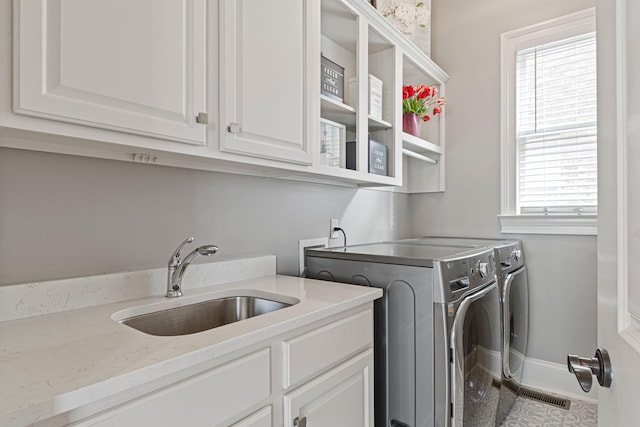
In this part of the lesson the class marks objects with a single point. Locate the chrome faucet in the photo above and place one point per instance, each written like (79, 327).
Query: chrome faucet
(177, 266)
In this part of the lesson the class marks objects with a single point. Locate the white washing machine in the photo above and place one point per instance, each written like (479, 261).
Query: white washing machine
(437, 329)
(514, 291)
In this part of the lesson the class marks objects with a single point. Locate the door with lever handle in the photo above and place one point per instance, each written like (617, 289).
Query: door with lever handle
(584, 368)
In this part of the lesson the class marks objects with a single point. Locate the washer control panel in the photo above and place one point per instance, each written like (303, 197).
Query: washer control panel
(456, 273)
(510, 257)
(464, 274)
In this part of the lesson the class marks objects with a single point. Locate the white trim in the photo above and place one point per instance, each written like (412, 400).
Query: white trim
(621, 167)
(320, 242)
(556, 379)
(550, 224)
(573, 23)
(510, 221)
(628, 324)
(507, 126)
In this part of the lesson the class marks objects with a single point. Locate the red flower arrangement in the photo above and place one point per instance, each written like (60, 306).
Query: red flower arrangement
(422, 100)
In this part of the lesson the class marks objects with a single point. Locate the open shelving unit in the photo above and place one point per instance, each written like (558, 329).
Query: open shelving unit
(359, 39)
(424, 156)
(339, 43)
(349, 41)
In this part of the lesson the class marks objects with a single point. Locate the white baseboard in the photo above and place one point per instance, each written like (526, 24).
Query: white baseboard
(556, 379)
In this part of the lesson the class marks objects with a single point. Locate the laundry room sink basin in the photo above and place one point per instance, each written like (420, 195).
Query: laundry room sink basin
(202, 316)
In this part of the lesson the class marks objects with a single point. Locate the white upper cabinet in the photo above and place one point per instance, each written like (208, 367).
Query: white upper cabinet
(309, 89)
(136, 67)
(269, 78)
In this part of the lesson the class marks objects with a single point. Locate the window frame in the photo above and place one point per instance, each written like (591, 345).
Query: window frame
(510, 43)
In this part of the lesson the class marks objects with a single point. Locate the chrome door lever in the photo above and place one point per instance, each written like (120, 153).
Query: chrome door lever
(300, 422)
(584, 368)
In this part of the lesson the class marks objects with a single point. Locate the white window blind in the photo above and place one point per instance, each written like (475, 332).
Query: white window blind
(556, 127)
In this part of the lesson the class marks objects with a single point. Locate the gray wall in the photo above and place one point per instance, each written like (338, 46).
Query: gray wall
(562, 269)
(65, 216)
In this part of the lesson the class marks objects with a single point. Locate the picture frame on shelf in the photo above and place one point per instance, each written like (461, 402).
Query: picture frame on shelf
(377, 158)
(332, 143)
(332, 75)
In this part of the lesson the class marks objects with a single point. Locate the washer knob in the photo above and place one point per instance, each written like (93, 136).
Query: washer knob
(482, 268)
(516, 254)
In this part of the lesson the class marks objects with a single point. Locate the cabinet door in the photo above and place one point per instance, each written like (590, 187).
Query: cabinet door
(136, 67)
(341, 397)
(266, 61)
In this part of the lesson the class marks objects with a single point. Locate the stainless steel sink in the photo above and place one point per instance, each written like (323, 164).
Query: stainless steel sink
(202, 316)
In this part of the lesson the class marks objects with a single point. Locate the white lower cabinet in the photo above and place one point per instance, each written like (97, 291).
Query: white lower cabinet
(321, 374)
(335, 362)
(341, 397)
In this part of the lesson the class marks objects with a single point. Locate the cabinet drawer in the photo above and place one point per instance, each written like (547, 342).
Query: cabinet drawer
(309, 354)
(262, 418)
(208, 399)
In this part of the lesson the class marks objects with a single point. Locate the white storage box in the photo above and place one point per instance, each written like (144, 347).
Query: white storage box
(375, 95)
(332, 143)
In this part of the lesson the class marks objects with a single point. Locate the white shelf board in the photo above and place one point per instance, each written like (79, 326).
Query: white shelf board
(339, 172)
(378, 124)
(345, 114)
(363, 179)
(380, 179)
(419, 145)
(338, 112)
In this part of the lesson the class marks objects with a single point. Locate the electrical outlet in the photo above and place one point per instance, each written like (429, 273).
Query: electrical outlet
(333, 223)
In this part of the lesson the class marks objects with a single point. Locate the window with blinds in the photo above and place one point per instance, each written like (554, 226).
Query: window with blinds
(556, 127)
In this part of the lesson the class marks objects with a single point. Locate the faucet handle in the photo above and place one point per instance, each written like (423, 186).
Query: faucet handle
(175, 258)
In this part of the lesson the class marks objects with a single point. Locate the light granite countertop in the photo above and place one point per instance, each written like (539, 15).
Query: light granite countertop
(54, 363)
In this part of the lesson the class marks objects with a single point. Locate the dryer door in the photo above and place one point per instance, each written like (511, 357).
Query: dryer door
(516, 323)
(476, 341)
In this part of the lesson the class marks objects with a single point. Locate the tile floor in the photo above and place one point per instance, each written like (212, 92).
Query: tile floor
(531, 413)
